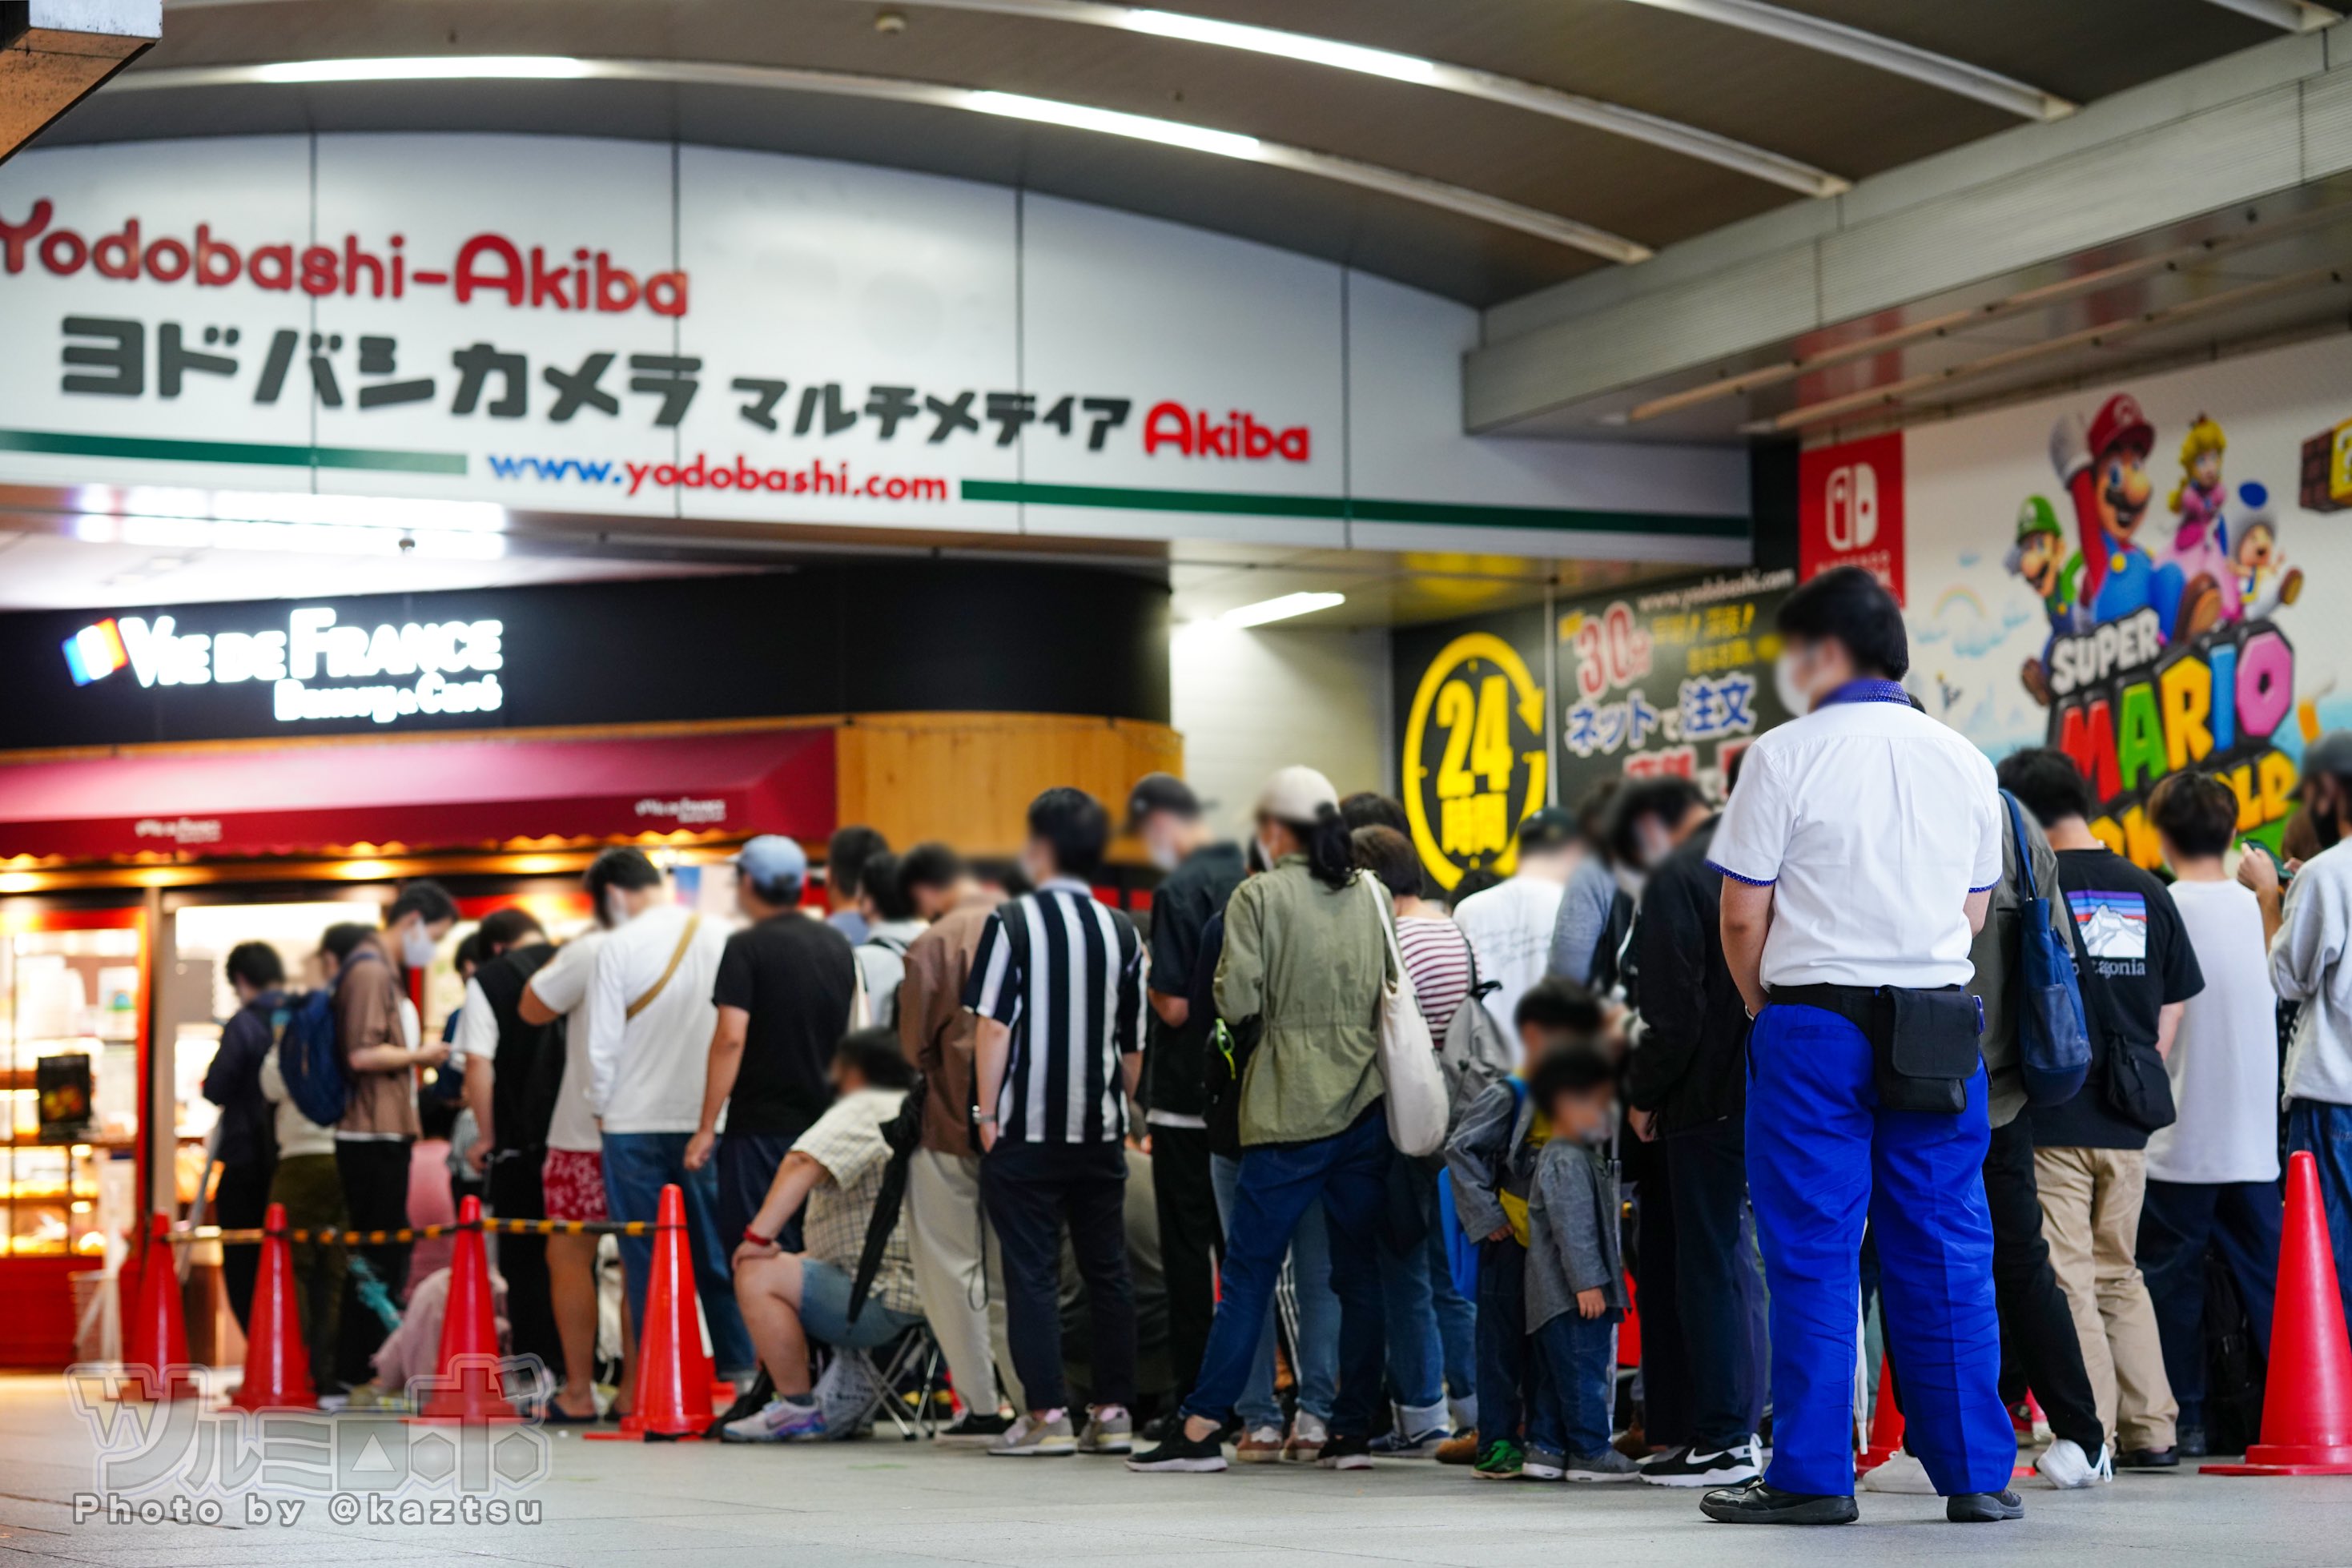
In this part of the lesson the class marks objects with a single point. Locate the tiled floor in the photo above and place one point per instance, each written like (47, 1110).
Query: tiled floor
(884, 1502)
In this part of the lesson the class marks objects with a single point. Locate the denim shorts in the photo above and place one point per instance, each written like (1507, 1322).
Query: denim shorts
(825, 1311)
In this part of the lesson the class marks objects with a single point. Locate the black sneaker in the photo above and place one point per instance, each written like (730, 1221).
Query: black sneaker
(1348, 1452)
(2148, 1460)
(1757, 1503)
(1704, 1467)
(1983, 1507)
(1178, 1453)
(974, 1427)
(2191, 1444)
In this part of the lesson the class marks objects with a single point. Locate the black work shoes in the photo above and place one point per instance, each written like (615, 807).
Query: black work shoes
(1983, 1507)
(1757, 1503)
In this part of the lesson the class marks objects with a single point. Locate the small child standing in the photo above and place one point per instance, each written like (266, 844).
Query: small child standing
(1491, 1164)
(1575, 1277)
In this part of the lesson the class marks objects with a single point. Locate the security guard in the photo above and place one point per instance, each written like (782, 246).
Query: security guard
(1859, 855)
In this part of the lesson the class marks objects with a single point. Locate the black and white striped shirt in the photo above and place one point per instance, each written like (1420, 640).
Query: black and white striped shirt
(1065, 974)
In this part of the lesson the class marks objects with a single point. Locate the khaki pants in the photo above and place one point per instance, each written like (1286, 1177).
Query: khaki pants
(2090, 1215)
(965, 1308)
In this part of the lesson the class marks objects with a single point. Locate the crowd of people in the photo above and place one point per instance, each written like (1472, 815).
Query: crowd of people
(1749, 1067)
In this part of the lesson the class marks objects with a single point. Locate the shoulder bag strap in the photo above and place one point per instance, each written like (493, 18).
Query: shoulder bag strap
(685, 941)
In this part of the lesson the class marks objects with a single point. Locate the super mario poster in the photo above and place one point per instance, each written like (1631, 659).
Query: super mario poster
(2136, 574)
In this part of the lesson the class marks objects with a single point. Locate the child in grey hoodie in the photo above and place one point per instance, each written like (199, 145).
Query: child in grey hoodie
(1576, 1278)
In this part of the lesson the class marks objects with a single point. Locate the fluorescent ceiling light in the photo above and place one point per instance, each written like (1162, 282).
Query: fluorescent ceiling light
(1593, 114)
(1281, 609)
(2288, 16)
(1871, 49)
(1477, 204)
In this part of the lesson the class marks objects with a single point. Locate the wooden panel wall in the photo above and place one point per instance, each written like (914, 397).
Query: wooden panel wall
(968, 778)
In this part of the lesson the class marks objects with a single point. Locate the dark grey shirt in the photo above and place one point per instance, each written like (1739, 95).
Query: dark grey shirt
(1572, 1226)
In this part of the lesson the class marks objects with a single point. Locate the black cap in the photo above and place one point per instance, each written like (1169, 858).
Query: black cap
(1160, 792)
(2331, 754)
(1551, 829)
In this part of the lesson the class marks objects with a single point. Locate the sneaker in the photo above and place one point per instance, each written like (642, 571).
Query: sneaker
(2148, 1460)
(1901, 1472)
(1341, 1453)
(974, 1427)
(2064, 1465)
(2191, 1443)
(1109, 1430)
(1608, 1464)
(1401, 1445)
(1029, 1438)
(1500, 1460)
(1983, 1507)
(1177, 1454)
(1716, 1468)
(1259, 1446)
(1757, 1503)
(1459, 1449)
(779, 1420)
(1543, 1465)
(1308, 1435)
(751, 1402)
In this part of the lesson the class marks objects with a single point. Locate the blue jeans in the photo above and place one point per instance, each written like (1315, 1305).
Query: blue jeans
(2325, 1130)
(2178, 1221)
(1318, 1363)
(1575, 1384)
(1432, 1332)
(1505, 1388)
(1821, 1155)
(1348, 1173)
(637, 1166)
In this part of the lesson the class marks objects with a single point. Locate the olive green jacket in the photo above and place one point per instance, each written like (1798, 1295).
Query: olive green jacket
(1311, 961)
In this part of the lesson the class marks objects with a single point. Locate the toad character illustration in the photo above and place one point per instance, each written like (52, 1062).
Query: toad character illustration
(2041, 558)
(2264, 579)
(2105, 470)
(2200, 544)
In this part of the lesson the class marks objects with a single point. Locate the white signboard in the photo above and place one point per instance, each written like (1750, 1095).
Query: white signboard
(640, 330)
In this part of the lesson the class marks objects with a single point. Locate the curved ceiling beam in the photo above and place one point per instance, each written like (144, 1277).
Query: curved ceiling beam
(1655, 129)
(2287, 16)
(787, 78)
(2002, 92)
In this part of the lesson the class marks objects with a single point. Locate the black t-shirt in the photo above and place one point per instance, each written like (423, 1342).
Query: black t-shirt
(2134, 960)
(796, 977)
(1181, 908)
(522, 1102)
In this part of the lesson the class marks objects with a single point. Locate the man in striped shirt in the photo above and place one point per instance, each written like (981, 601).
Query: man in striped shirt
(1057, 983)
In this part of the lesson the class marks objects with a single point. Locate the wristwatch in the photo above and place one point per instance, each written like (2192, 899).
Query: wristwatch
(756, 1239)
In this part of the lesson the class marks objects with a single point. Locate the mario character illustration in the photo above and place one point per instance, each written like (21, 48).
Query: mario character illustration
(2105, 470)
(2201, 545)
(2262, 579)
(2041, 558)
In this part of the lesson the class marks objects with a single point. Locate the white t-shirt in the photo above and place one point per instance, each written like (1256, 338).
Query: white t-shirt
(646, 1073)
(478, 1029)
(1509, 926)
(561, 985)
(2224, 1060)
(2307, 966)
(1873, 824)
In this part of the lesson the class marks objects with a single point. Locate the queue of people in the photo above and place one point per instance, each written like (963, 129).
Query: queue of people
(1756, 1068)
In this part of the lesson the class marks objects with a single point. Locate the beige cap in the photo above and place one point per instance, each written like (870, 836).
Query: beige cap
(1296, 793)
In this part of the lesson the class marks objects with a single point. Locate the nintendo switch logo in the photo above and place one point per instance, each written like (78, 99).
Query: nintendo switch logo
(95, 652)
(1850, 509)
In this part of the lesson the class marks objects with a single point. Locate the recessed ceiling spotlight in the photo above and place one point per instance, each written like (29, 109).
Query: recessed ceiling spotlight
(890, 21)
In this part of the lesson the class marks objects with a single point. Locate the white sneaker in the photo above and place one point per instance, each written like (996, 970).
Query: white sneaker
(1033, 1438)
(1109, 1430)
(2064, 1465)
(1902, 1472)
(779, 1421)
(1308, 1435)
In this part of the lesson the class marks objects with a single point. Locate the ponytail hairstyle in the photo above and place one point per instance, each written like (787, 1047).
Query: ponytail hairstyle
(1330, 847)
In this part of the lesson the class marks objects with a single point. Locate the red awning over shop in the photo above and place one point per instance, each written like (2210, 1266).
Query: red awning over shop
(372, 798)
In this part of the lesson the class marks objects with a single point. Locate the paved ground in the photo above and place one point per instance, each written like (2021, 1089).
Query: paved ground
(883, 1502)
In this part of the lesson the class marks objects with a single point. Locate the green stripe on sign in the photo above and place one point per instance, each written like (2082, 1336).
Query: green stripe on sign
(158, 449)
(1454, 514)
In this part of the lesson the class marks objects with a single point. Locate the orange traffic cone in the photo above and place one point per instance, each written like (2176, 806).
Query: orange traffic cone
(155, 1346)
(277, 1363)
(2307, 1404)
(469, 1389)
(674, 1383)
(1885, 1422)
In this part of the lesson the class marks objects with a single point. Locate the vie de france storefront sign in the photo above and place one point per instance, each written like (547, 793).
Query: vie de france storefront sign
(643, 330)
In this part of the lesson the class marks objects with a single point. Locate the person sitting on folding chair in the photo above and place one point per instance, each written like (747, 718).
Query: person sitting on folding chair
(790, 1299)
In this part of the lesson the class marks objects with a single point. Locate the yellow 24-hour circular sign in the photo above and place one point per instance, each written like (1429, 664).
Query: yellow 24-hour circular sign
(1473, 756)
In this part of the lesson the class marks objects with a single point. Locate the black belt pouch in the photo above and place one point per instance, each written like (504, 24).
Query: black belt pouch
(1924, 1048)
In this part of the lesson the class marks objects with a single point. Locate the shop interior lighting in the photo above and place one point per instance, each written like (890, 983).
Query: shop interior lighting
(1550, 226)
(1281, 609)
(2003, 93)
(1594, 113)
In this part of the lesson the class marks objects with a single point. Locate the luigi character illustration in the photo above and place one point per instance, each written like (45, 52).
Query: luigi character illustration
(2041, 558)
(2105, 470)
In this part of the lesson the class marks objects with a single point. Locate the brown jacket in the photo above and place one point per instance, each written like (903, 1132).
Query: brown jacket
(367, 1013)
(934, 1028)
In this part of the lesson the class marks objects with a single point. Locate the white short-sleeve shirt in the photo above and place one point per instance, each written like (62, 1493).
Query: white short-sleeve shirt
(561, 985)
(1873, 824)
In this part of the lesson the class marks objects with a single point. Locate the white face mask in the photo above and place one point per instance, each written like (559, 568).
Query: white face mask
(1160, 848)
(416, 947)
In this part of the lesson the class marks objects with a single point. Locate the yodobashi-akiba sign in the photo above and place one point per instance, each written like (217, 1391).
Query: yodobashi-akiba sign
(314, 667)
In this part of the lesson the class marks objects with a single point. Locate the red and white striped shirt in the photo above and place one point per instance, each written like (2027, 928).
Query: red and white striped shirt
(1437, 956)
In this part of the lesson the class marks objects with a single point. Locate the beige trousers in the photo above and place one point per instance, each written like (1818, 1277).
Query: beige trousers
(2090, 1215)
(965, 1307)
